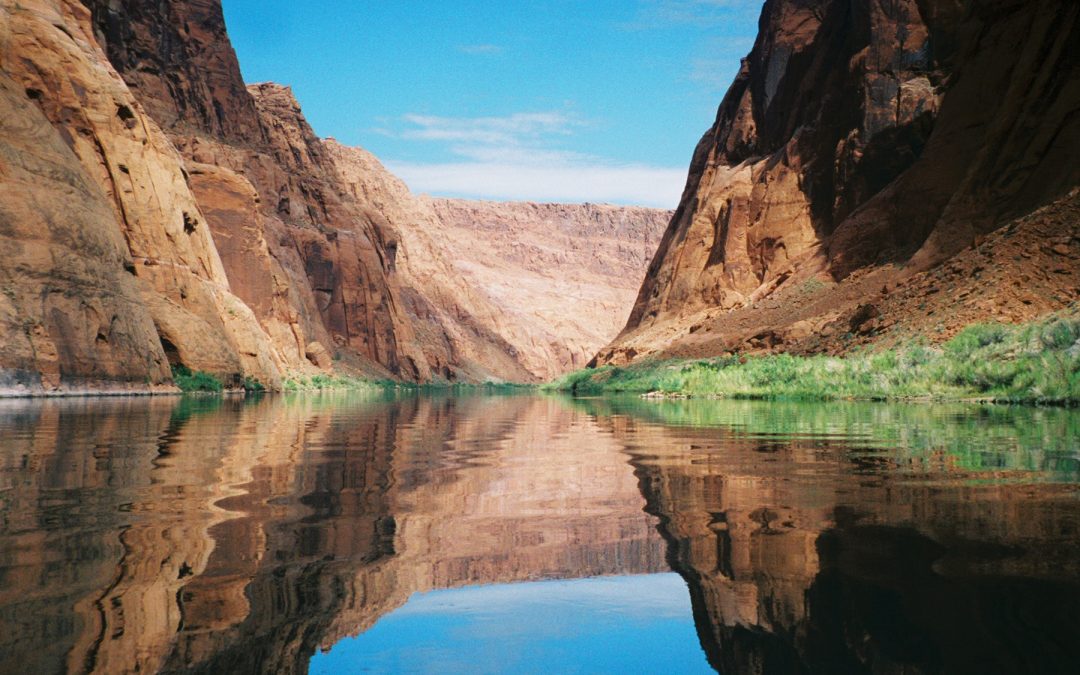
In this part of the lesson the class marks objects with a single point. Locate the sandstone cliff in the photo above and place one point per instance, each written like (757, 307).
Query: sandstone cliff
(158, 212)
(110, 272)
(312, 265)
(511, 291)
(336, 257)
(862, 145)
(559, 279)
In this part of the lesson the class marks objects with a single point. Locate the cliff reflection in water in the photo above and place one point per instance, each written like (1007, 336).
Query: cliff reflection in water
(867, 538)
(241, 536)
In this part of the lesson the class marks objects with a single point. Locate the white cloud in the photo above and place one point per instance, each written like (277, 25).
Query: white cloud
(547, 182)
(520, 157)
(515, 129)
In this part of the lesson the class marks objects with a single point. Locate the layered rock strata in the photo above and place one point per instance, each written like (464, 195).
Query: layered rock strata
(514, 291)
(558, 278)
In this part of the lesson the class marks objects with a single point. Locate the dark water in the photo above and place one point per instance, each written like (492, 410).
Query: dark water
(528, 534)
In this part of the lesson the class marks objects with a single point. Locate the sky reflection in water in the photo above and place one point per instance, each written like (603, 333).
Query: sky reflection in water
(630, 624)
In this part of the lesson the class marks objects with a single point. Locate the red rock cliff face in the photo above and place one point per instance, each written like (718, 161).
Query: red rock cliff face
(315, 265)
(110, 271)
(500, 290)
(335, 256)
(559, 278)
(857, 135)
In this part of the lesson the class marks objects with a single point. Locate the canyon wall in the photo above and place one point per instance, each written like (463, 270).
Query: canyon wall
(511, 291)
(105, 248)
(158, 212)
(313, 265)
(862, 145)
(560, 279)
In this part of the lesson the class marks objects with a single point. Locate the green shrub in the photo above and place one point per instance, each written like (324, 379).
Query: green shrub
(251, 385)
(323, 382)
(1059, 334)
(197, 381)
(975, 337)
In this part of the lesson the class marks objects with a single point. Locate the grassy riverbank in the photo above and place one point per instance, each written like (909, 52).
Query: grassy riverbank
(1033, 363)
(199, 382)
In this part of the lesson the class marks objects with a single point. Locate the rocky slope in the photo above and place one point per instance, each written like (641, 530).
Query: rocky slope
(500, 290)
(862, 145)
(158, 212)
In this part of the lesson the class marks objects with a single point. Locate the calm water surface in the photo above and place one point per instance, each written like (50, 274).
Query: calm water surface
(345, 533)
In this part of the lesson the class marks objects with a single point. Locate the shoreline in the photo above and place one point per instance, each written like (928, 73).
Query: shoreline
(175, 392)
(1030, 364)
(978, 400)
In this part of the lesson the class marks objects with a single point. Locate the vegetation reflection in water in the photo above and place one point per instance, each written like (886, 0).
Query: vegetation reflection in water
(230, 535)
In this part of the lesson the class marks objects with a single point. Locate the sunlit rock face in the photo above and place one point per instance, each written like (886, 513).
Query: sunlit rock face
(857, 137)
(228, 537)
(500, 290)
(560, 278)
(111, 270)
(160, 212)
(311, 263)
(807, 550)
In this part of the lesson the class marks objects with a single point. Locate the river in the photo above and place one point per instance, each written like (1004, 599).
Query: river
(374, 533)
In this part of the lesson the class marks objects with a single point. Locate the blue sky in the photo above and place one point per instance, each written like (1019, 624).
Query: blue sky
(584, 100)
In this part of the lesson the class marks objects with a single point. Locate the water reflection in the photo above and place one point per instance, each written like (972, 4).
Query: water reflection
(867, 538)
(239, 537)
(243, 536)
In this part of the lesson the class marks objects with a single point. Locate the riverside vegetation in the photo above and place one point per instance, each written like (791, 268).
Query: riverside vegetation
(1032, 363)
(200, 382)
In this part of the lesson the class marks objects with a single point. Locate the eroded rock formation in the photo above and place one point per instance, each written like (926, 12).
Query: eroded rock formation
(558, 278)
(105, 245)
(511, 291)
(862, 144)
(160, 213)
(312, 264)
